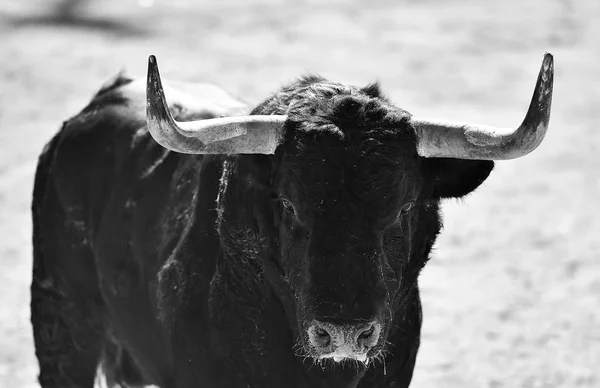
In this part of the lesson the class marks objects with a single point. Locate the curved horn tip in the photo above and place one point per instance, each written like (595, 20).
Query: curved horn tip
(152, 67)
(547, 63)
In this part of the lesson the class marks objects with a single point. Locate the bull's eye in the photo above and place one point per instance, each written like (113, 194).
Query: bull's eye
(406, 208)
(287, 205)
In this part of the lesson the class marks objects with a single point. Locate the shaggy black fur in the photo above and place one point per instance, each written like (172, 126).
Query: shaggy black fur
(181, 270)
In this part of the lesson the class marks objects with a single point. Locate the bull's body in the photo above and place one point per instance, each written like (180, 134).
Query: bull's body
(131, 270)
(292, 262)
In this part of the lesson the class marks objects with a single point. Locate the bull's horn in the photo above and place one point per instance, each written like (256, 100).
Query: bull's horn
(225, 135)
(442, 139)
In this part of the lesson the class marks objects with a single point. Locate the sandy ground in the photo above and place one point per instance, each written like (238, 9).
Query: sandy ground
(512, 296)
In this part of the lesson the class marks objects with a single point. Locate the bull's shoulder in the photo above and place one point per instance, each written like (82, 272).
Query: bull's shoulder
(107, 141)
(187, 101)
(120, 104)
(115, 117)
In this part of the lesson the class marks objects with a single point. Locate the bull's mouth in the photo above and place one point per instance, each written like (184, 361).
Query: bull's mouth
(342, 358)
(335, 360)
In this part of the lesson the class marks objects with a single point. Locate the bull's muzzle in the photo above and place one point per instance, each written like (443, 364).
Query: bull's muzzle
(344, 341)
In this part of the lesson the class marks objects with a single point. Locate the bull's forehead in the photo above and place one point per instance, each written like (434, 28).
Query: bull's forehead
(326, 174)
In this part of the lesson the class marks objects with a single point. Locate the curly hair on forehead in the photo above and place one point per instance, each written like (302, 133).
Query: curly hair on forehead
(311, 89)
(351, 112)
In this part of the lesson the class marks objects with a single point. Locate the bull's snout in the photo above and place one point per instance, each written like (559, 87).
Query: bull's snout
(345, 341)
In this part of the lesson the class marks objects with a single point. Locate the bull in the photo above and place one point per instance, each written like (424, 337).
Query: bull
(185, 242)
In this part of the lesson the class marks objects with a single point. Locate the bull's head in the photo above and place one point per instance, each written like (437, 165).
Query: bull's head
(355, 184)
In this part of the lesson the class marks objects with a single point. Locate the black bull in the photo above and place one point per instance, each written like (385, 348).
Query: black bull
(297, 269)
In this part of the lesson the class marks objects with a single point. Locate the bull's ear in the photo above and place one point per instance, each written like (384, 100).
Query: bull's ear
(454, 178)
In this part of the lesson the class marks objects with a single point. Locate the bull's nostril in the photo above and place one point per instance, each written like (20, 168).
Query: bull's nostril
(321, 333)
(369, 336)
(367, 333)
(319, 337)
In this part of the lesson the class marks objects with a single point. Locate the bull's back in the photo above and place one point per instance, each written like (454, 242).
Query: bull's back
(111, 179)
(113, 207)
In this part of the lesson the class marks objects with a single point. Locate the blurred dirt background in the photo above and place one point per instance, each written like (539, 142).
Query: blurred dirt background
(512, 295)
